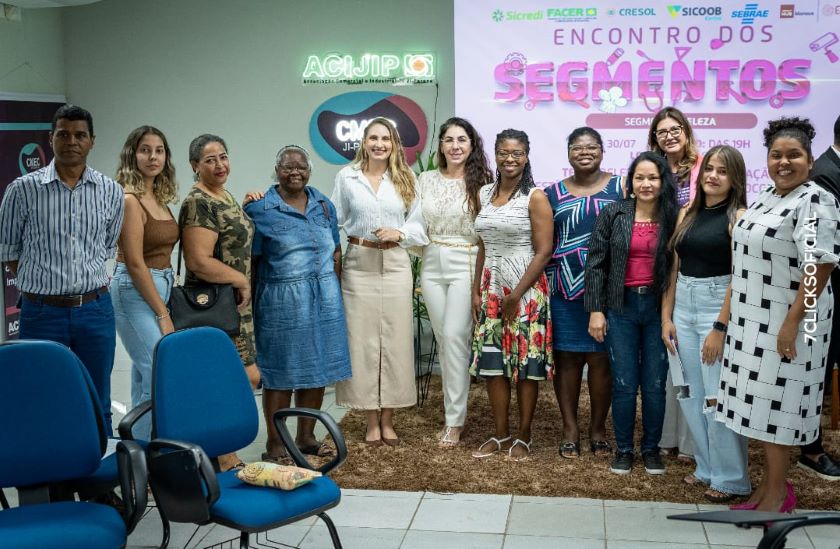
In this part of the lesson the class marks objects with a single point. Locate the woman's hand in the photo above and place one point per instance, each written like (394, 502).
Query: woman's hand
(387, 234)
(243, 292)
(669, 336)
(510, 307)
(786, 341)
(476, 307)
(598, 326)
(712, 350)
(252, 196)
(166, 326)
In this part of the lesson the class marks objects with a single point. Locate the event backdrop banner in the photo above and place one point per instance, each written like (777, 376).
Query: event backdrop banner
(24, 148)
(549, 67)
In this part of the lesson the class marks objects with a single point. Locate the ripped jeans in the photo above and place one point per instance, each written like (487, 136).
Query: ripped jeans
(721, 454)
(638, 360)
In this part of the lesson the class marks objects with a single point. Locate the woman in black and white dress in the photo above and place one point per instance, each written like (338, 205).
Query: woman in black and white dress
(784, 249)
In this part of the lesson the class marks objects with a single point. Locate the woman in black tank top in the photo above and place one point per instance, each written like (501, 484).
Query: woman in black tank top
(695, 309)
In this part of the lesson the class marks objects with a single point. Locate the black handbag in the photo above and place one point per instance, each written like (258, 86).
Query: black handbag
(204, 304)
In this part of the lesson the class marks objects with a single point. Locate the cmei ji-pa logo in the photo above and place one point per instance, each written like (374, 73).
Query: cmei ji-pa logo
(31, 158)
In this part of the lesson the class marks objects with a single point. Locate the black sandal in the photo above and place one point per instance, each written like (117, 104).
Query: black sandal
(600, 447)
(570, 450)
(722, 498)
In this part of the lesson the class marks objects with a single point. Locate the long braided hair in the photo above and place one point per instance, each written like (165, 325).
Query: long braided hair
(526, 181)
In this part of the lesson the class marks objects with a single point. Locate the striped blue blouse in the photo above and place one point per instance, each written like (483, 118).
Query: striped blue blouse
(60, 237)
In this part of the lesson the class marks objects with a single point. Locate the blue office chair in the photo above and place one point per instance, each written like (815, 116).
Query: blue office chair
(203, 407)
(52, 432)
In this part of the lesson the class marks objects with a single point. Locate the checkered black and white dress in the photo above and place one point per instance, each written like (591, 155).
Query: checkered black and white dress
(763, 395)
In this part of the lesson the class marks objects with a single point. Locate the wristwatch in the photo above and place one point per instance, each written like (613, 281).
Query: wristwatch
(719, 326)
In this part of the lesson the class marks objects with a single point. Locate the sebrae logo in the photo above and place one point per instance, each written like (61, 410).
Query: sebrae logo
(31, 158)
(750, 13)
(337, 126)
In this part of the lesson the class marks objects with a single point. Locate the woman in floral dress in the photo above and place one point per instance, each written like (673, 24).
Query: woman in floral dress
(512, 338)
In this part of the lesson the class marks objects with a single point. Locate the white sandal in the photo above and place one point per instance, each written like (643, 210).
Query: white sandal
(446, 442)
(527, 446)
(481, 455)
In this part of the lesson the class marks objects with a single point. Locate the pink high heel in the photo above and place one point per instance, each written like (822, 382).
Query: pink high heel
(746, 506)
(789, 504)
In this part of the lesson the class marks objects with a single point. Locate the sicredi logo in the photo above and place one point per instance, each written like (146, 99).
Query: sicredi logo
(337, 126)
(31, 158)
(513, 15)
(750, 13)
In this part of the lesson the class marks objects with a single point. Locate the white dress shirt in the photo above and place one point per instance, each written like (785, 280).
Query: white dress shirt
(360, 210)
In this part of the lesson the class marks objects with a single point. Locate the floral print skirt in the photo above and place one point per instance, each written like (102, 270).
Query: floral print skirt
(522, 348)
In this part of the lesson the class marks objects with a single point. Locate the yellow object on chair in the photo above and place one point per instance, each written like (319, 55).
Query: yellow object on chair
(284, 477)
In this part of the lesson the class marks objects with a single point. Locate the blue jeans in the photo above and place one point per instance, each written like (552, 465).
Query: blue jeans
(721, 453)
(87, 330)
(139, 331)
(637, 359)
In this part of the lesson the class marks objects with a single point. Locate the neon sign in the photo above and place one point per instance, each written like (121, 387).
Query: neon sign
(370, 68)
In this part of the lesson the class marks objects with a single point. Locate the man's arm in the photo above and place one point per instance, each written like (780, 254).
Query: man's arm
(112, 231)
(12, 216)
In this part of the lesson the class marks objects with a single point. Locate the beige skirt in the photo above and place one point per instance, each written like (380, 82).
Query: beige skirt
(376, 287)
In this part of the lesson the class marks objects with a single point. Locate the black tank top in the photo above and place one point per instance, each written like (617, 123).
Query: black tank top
(705, 248)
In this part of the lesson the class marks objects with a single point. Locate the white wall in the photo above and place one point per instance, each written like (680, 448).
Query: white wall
(233, 68)
(31, 53)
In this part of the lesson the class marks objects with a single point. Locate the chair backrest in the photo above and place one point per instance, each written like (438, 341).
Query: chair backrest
(50, 420)
(200, 392)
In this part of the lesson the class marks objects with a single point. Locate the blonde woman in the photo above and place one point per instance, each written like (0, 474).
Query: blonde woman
(143, 275)
(378, 207)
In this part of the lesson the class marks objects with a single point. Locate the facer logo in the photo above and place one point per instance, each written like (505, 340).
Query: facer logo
(750, 13)
(576, 15)
(31, 158)
(337, 126)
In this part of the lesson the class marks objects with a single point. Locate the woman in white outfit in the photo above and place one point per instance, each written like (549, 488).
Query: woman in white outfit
(450, 205)
(378, 206)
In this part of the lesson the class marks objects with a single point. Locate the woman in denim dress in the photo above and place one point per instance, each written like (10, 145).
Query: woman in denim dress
(298, 311)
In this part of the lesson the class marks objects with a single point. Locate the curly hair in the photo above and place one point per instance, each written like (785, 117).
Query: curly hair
(526, 181)
(165, 188)
(666, 214)
(736, 172)
(401, 174)
(690, 152)
(794, 127)
(476, 168)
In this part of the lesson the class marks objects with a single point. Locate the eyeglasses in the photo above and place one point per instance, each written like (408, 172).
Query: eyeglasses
(577, 149)
(504, 155)
(289, 169)
(673, 131)
(463, 140)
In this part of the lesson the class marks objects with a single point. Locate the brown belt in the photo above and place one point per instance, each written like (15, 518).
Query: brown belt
(371, 244)
(76, 300)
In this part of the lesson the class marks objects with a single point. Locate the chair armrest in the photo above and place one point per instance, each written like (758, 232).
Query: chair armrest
(133, 476)
(207, 474)
(289, 442)
(128, 421)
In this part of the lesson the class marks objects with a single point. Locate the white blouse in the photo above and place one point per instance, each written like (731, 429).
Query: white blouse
(360, 210)
(445, 209)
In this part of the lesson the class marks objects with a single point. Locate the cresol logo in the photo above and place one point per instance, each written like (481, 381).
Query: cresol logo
(31, 158)
(338, 124)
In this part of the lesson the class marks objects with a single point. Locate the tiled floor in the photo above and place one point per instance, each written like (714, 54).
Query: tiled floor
(413, 520)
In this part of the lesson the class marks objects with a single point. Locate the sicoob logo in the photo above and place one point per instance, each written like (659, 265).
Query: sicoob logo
(31, 158)
(337, 126)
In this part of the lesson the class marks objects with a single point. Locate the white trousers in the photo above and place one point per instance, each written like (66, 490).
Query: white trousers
(446, 282)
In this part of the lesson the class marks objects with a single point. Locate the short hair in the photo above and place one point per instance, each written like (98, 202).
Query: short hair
(837, 131)
(577, 133)
(72, 112)
(286, 150)
(794, 127)
(197, 145)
